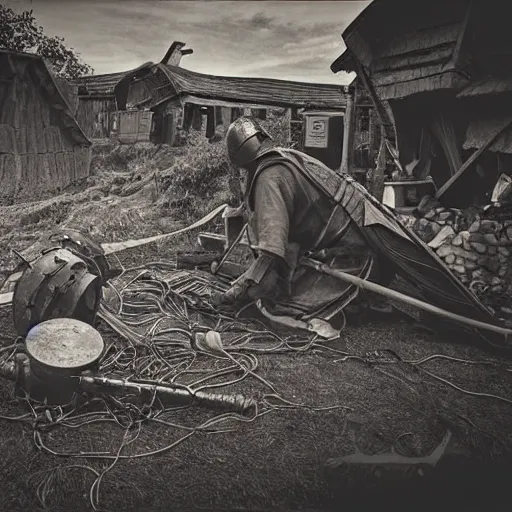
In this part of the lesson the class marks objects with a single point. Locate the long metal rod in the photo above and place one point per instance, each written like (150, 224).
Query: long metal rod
(230, 249)
(386, 292)
(169, 395)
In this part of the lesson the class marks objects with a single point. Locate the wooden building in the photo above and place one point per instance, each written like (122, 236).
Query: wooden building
(42, 147)
(436, 73)
(161, 102)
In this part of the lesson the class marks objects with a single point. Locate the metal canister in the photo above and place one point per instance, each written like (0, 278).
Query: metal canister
(75, 241)
(59, 351)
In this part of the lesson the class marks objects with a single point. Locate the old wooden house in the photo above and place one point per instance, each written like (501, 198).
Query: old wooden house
(437, 74)
(161, 102)
(42, 147)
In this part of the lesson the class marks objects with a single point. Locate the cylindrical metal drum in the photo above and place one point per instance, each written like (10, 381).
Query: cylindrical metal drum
(59, 351)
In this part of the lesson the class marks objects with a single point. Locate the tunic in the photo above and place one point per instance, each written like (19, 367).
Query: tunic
(288, 218)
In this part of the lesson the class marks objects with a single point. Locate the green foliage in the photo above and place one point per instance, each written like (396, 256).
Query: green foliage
(19, 32)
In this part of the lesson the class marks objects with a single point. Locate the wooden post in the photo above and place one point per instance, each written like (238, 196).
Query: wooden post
(377, 181)
(471, 159)
(369, 286)
(347, 133)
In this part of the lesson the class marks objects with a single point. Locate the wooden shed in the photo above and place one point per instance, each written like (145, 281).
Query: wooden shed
(161, 102)
(416, 60)
(42, 147)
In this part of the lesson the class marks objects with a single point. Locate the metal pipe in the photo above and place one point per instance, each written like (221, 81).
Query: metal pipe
(392, 294)
(170, 395)
(230, 249)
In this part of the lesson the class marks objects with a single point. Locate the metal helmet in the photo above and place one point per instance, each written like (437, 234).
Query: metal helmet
(244, 140)
(76, 242)
(56, 285)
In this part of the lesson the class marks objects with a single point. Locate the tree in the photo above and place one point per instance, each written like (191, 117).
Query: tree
(21, 33)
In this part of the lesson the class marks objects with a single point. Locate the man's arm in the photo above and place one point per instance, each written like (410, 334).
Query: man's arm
(274, 197)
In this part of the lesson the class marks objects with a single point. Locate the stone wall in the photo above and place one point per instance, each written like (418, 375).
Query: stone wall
(476, 249)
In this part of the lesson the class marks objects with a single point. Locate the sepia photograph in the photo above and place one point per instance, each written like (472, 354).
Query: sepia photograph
(255, 255)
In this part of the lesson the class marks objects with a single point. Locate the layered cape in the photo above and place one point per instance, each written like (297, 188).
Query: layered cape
(385, 234)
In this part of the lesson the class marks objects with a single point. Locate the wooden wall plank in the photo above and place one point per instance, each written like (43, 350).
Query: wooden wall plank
(21, 140)
(7, 139)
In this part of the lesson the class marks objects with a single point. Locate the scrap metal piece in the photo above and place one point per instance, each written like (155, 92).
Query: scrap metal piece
(57, 284)
(392, 458)
(168, 394)
(76, 242)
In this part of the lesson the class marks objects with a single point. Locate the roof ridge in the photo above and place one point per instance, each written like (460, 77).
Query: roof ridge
(250, 79)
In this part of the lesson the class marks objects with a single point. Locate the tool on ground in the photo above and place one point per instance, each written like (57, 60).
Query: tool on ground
(505, 334)
(217, 266)
(392, 458)
(61, 357)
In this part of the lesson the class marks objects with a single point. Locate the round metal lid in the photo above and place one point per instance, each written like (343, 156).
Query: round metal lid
(64, 343)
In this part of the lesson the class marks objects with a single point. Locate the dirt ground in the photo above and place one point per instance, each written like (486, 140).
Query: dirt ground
(287, 459)
(280, 461)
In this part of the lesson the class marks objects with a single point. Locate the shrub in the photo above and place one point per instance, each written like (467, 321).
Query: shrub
(201, 176)
(122, 157)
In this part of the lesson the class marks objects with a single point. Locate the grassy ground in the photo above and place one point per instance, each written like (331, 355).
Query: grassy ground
(279, 461)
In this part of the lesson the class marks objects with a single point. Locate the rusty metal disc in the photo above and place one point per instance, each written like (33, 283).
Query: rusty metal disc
(64, 344)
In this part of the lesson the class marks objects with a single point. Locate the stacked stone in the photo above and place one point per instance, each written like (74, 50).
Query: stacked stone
(429, 226)
(477, 251)
(481, 253)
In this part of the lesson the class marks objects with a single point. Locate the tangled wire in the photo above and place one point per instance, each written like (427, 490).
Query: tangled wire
(171, 336)
(165, 325)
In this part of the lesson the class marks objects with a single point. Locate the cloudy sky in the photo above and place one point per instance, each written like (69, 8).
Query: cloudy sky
(274, 39)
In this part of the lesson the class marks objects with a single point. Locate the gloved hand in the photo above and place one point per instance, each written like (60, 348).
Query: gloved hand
(234, 294)
(262, 280)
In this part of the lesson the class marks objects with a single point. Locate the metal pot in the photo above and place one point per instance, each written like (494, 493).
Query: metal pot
(59, 351)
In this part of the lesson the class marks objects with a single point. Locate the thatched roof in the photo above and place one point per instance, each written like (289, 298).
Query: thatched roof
(54, 91)
(407, 47)
(487, 86)
(99, 85)
(102, 85)
(168, 82)
(263, 91)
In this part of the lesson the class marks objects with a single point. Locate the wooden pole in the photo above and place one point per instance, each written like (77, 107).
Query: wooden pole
(471, 160)
(392, 294)
(347, 133)
(378, 175)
